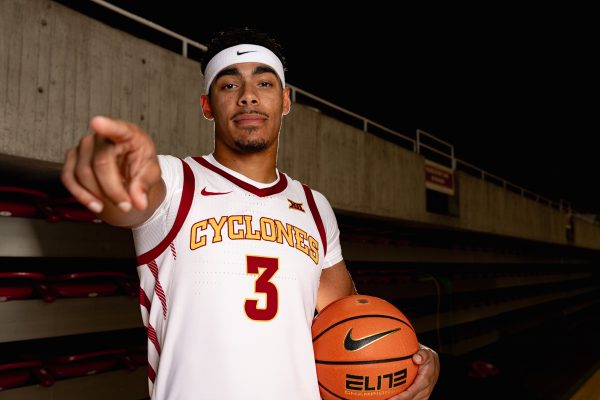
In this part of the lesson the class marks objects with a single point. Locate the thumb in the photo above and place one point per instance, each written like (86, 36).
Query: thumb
(113, 129)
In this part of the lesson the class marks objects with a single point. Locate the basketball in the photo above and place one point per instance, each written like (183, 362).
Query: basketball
(363, 349)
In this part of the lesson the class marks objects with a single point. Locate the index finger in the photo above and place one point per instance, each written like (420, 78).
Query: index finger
(108, 175)
(112, 129)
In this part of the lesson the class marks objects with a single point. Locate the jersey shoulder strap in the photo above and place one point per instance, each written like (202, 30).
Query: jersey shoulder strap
(316, 215)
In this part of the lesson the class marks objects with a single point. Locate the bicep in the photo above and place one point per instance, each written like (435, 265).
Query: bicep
(335, 283)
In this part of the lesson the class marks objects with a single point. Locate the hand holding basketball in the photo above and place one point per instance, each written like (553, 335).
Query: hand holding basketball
(427, 375)
(113, 167)
(364, 348)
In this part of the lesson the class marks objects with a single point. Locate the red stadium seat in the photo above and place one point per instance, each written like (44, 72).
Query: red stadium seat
(136, 357)
(482, 369)
(19, 285)
(69, 209)
(15, 374)
(131, 285)
(22, 202)
(82, 364)
(85, 284)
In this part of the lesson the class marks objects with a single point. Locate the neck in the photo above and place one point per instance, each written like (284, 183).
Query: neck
(259, 167)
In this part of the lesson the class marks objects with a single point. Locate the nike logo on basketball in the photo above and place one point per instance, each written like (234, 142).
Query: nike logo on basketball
(353, 345)
(239, 53)
(205, 192)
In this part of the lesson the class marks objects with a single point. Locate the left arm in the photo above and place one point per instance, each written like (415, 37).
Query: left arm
(335, 283)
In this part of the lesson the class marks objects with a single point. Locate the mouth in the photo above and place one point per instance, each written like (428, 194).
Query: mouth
(249, 119)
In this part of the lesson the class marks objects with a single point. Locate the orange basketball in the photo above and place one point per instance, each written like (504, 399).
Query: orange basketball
(363, 349)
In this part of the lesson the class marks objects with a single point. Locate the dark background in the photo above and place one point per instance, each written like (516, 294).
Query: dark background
(515, 90)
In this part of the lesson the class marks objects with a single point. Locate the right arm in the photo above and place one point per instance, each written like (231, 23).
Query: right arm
(115, 173)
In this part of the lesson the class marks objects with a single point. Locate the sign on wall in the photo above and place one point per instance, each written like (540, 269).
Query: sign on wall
(439, 178)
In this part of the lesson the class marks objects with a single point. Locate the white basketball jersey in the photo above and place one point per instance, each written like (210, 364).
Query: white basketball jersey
(229, 271)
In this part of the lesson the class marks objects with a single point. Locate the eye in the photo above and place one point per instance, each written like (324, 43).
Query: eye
(265, 84)
(229, 86)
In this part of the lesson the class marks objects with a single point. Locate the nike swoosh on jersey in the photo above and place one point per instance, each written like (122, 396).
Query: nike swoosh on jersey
(353, 345)
(205, 192)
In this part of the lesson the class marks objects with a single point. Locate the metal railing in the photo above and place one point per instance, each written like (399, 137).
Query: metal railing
(418, 144)
(185, 42)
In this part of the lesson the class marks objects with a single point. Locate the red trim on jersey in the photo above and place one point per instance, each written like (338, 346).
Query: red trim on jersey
(144, 300)
(172, 245)
(316, 216)
(151, 373)
(152, 337)
(184, 208)
(277, 188)
(158, 287)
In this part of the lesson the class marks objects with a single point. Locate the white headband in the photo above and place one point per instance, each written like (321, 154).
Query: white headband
(241, 54)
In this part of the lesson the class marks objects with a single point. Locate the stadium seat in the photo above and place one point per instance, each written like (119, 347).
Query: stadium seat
(20, 373)
(69, 209)
(19, 285)
(86, 284)
(82, 364)
(22, 202)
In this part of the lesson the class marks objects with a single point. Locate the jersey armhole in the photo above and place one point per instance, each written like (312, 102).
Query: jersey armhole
(185, 204)
(316, 216)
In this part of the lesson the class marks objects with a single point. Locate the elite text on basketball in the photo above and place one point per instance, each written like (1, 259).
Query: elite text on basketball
(366, 383)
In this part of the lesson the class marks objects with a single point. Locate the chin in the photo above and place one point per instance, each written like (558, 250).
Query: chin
(251, 147)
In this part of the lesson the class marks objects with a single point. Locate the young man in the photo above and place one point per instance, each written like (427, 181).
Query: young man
(233, 255)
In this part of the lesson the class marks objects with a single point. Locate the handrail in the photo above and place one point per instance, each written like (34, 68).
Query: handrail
(421, 132)
(185, 41)
(562, 205)
(416, 143)
(435, 151)
(365, 120)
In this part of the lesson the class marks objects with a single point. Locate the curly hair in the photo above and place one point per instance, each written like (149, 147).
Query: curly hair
(233, 37)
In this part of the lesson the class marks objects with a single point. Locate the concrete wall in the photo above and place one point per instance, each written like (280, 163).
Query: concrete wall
(586, 234)
(357, 172)
(486, 207)
(58, 68)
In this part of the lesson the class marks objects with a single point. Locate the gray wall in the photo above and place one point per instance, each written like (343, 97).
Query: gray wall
(58, 68)
(357, 172)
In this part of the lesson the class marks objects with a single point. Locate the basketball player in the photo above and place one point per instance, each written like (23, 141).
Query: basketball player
(233, 255)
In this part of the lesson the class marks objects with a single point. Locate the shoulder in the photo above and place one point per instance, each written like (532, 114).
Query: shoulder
(168, 159)
(320, 200)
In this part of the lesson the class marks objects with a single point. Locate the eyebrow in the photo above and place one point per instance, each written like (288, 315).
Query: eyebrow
(261, 69)
(232, 71)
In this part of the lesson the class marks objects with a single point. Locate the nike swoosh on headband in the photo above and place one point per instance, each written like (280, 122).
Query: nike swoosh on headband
(239, 53)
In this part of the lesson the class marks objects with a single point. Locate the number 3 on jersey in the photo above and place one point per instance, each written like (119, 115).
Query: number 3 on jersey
(263, 284)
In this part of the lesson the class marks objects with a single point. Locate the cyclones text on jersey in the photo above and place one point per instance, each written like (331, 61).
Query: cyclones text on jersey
(240, 227)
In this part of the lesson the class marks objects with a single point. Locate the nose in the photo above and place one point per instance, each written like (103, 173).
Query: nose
(248, 97)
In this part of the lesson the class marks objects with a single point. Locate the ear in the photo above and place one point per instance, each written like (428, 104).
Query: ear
(287, 101)
(206, 108)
